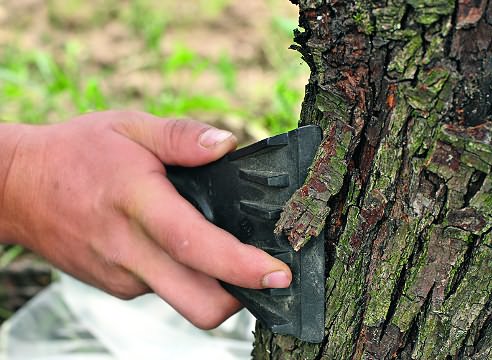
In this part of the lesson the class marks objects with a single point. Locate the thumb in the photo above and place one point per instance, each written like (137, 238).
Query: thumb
(177, 142)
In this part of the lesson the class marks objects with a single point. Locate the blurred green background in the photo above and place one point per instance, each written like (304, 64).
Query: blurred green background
(222, 61)
(225, 62)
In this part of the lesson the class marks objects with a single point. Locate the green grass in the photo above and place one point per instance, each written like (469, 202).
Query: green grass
(147, 22)
(37, 86)
(34, 84)
(9, 254)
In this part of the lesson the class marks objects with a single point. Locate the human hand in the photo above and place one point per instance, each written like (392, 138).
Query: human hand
(91, 196)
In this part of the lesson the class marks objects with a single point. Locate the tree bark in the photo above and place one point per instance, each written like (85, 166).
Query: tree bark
(402, 183)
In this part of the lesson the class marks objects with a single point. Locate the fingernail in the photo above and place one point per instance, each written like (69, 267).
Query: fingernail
(212, 137)
(276, 280)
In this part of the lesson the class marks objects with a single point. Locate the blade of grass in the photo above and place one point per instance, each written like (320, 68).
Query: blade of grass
(10, 255)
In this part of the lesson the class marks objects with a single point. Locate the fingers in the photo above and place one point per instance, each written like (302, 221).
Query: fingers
(193, 241)
(176, 142)
(194, 295)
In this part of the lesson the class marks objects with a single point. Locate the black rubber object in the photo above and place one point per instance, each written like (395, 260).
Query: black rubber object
(244, 193)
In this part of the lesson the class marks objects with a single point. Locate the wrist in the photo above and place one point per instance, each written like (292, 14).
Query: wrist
(11, 138)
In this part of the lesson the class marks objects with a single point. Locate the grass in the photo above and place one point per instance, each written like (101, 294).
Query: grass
(37, 86)
(147, 23)
(33, 84)
(9, 254)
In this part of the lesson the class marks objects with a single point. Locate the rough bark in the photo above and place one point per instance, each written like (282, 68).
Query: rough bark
(402, 184)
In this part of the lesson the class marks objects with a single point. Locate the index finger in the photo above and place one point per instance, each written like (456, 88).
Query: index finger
(190, 239)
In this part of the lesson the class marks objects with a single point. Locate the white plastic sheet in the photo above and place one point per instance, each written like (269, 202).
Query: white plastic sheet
(73, 321)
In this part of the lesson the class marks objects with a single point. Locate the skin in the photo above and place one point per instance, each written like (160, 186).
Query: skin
(91, 196)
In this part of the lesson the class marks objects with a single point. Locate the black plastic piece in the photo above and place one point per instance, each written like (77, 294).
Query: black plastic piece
(244, 193)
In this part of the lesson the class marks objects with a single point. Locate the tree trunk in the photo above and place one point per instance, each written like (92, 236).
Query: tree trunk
(402, 183)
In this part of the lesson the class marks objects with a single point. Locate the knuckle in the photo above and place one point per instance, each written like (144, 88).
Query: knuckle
(176, 133)
(178, 248)
(113, 255)
(125, 287)
(173, 132)
(213, 313)
(121, 292)
(123, 119)
(125, 197)
(122, 295)
(112, 251)
(173, 127)
(209, 320)
(126, 122)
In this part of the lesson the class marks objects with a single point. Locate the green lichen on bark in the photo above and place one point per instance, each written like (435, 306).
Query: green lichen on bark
(345, 291)
(406, 61)
(387, 270)
(408, 213)
(430, 11)
(453, 320)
